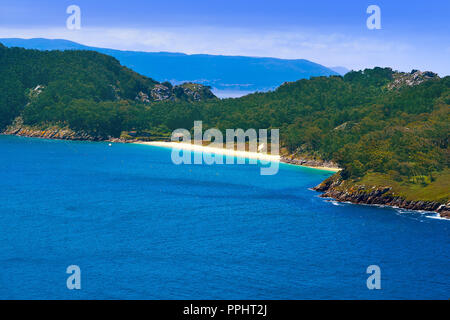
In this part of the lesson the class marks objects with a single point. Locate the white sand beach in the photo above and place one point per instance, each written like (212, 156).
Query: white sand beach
(226, 152)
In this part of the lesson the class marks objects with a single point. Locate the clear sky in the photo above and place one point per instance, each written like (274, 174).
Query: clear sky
(414, 34)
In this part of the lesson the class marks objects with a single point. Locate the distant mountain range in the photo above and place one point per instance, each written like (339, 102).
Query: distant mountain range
(229, 73)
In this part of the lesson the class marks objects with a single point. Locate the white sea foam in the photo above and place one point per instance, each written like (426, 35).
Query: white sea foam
(422, 212)
(399, 210)
(437, 217)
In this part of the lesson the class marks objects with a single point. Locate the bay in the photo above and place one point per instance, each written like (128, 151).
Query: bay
(140, 227)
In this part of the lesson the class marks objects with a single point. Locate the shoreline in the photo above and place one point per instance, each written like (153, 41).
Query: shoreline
(54, 132)
(69, 135)
(378, 196)
(233, 153)
(214, 150)
(327, 190)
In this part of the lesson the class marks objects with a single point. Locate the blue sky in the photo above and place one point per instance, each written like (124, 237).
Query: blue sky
(414, 34)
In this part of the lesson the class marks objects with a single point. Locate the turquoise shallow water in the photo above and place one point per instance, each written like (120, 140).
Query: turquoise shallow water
(140, 227)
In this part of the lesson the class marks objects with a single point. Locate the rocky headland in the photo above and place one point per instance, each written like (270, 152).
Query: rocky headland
(333, 187)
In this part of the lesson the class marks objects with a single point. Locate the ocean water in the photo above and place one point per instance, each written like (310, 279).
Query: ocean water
(140, 227)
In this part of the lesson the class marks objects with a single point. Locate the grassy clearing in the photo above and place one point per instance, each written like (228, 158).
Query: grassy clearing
(437, 190)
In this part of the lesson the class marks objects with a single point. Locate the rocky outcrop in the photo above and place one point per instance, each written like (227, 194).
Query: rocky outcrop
(414, 78)
(360, 194)
(143, 97)
(193, 92)
(53, 132)
(161, 92)
(308, 162)
(444, 210)
(185, 92)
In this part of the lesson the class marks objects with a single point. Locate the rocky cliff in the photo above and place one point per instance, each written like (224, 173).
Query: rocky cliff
(334, 188)
(53, 132)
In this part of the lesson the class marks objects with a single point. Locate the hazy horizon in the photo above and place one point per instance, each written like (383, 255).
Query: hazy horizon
(412, 35)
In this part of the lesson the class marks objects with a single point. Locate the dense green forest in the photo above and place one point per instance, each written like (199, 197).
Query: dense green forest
(52, 83)
(354, 120)
(369, 122)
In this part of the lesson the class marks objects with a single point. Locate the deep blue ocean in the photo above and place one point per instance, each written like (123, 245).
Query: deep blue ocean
(140, 227)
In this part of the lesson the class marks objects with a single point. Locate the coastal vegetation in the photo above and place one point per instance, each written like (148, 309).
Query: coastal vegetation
(84, 89)
(384, 128)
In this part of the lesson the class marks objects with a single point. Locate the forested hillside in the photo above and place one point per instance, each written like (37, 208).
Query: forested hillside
(382, 127)
(50, 83)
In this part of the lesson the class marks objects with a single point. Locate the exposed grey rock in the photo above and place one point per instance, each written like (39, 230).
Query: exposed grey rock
(416, 77)
(160, 93)
(309, 162)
